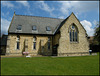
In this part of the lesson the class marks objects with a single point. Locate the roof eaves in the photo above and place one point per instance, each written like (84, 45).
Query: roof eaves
(30, 33)
(60, 25)
(11, 21)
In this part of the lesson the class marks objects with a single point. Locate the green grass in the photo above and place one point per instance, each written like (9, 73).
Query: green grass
(83, 65)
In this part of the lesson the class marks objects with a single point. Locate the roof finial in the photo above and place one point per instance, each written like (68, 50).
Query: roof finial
(14, 13)
(72, 12)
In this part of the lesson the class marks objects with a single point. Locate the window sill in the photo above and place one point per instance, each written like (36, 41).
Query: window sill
(34, 41)
(34, 49)
(18, 30)
(74, 42)
(17, 49)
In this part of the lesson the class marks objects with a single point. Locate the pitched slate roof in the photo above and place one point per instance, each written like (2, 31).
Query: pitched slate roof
(40, 22)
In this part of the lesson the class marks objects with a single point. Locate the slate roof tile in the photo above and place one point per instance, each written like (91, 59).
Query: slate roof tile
(28, 21)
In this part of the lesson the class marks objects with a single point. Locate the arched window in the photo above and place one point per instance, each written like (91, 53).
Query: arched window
(34, 43)
(18, 37)
(18, 42)
(73, 33)
(34, 38)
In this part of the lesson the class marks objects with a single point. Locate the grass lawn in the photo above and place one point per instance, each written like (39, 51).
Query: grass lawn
(83, 65)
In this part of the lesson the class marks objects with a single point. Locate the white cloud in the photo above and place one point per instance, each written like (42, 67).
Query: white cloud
(2, 14)
(78, 6)
(24, 3)
(95, 22)
(88, 26)
(4, 26)
(44, 6)
(61, 17)
(6, 15)
(64, 7)
(7, 4)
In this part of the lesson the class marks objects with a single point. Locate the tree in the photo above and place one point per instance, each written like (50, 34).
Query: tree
(96, 42)
(97, 34)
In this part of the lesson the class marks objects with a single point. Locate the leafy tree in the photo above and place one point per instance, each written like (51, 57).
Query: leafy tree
(97, 34)
(95, 46)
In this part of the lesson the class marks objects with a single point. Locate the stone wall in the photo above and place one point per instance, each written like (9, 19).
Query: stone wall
(56, 39)
(65, 46)
(12, 43)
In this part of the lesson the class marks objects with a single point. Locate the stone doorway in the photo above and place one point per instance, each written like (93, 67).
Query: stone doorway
(42, 47)
(54, 53)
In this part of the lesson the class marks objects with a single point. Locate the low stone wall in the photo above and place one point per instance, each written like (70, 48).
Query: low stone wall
(31, 54)
(13, 54)
(74, 54)
(60, 54)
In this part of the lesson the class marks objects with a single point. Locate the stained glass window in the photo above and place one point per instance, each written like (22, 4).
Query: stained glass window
(73, 33)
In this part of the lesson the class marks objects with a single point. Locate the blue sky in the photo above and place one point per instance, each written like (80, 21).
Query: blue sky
(86, 11)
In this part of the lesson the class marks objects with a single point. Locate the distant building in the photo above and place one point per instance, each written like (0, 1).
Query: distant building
(46, 36)
(3, 43)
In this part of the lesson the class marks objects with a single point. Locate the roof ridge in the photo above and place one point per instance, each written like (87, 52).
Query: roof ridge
(39, 16)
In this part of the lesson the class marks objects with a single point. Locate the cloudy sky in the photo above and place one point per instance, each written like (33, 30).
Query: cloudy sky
(86, 11)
